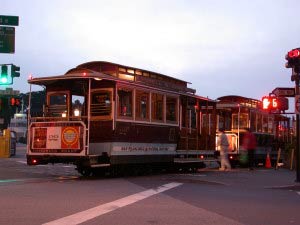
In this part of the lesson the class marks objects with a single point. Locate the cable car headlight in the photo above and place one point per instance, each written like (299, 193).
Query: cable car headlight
(76, 112)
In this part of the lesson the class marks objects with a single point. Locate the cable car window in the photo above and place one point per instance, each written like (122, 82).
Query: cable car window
(125, 102)
(240, 122)
(253, 121)
(193, 118)
(206, 122)
(58, 99)
(265, 124)
(259, 123)
(171, 109)
(142, 105)
(270, 125)
(157, 107)
(57, 104)
(192, 113)
(101, 103)
(78, 105)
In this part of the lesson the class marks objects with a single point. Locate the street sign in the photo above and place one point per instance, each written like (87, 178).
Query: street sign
(9, 20)
(7, 39)
(284, 92)
(297, 104)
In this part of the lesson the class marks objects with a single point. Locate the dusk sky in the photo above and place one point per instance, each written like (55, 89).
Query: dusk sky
(223, 47)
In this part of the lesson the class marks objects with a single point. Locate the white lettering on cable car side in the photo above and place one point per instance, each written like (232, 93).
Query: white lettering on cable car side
(143, 147)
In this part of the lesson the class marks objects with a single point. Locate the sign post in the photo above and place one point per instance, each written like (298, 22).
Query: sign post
(297, 111)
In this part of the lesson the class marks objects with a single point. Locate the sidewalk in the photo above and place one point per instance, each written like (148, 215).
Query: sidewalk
(260, 177)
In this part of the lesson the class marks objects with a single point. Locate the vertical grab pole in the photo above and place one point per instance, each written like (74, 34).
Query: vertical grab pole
(28, 120)
(114, 115)
(238, 137)
(89, 118)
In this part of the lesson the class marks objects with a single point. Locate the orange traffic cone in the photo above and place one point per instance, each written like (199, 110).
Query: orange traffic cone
(268, 162)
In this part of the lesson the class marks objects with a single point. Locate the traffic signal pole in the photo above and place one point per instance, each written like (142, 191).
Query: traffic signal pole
(297, 131)
(293, 61)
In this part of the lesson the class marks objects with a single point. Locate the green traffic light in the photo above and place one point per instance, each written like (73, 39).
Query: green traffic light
(4, 79)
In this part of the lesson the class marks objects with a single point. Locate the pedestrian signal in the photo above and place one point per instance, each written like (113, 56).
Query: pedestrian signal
(14, 101)
(269, 103)
(275, 103)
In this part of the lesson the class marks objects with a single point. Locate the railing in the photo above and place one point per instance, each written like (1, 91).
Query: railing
(56, 110)
(101, 109)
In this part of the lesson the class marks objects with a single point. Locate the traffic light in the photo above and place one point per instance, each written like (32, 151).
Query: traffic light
(13, 101)
(15, 71)
(293, 59)
(269, 103)
(4, 78)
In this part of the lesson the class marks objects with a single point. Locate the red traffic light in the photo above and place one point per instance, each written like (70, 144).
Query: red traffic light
(293, 59)
(18, 101)
(14, 101)
(295, 53)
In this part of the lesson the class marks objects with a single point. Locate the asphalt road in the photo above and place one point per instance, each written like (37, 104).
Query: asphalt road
(57, 194)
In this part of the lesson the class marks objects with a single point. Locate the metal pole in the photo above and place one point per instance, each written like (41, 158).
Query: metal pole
(297, 132)
(89, 118)
(238, 137)
(29, 119)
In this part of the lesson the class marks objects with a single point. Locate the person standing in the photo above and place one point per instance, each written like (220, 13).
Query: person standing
(249, 144)
(224, 144)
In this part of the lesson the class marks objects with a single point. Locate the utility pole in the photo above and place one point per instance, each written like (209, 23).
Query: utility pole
(293, 58)
(297, 129)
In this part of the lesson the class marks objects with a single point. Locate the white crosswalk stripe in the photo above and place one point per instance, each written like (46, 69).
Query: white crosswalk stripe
(89, 214)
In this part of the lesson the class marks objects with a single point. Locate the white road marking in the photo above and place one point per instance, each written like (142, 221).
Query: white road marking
(23, 162)
(193, 175)
(10, 180)
(99, 210)
(298, 192)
